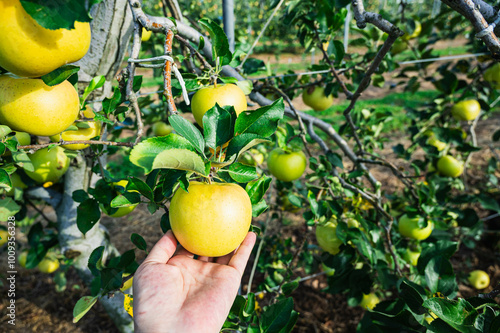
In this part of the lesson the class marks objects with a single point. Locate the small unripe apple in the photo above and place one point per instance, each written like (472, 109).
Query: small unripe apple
(369, 301)
(411, 257)
(315, 98)
(161, 129)
(326, 236)
(449, 166)
(492, 75)
(408, 227)
(479, 279)
(286, 166)
(466, 110)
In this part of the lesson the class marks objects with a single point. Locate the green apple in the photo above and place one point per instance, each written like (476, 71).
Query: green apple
(479, 279)
(50, 165)
(315, 98)
(161, 129)
(433, 141)
(399, 46)
(449, 166)
(122, 211)
(21, 259)
(369, 301)
(408, 227)
(411, 257)
(286, 165)
(466, 110)
(326, 236)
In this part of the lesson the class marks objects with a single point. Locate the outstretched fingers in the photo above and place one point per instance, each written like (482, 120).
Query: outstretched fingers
(240, 258)
(163, 249)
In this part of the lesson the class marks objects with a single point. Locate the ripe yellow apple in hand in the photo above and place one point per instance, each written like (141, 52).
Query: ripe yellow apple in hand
(369, 301)
(479, 279)
(48, 265)
(315, 98)
(449, 166)
(408, 227)
(27, 49)
(161, 129)
(286, 166)
(29, 105)
(80, 134)
(326, 236)
(50, 165)
(466, 110)
(212, 219)
(224, 94)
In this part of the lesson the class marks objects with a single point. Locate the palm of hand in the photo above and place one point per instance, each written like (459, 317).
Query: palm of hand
(186, 295)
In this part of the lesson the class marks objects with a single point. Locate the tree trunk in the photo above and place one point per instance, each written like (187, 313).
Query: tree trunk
(111, 31)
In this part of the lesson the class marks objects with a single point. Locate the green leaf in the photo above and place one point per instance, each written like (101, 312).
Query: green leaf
(126, 199)
(144, 153)
(80, 195)
(257, 188)
(220, 44)
(96, 83)
(8, 208)
(218, 125)
(263, 121)
(56, 14)
(180, 159)
(59, 75)
(136, 184)
(165, 223)
(290, 287)
(110, 104)
(437, 268)
(88, 214)
(95, 260)
(5, 181)
(83, 306)
(241, 173)
(188, 131)
(338, 51)
(4, 130)
(241, 143)
(411, 295)
(278, 316)
(246, 86)
(249, 307)
(259, 208)
(458, 314)
(138, 241)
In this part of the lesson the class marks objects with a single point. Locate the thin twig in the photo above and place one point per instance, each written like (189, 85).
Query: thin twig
(33, 148)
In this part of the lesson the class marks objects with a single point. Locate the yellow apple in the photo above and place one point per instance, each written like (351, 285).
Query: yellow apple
(50, 165)
(466, 110)
(479, 279)
(224, 94)
(146, 35)
(212, 219)
(326, 236)
(286, 166)
(80, 134)
(415, 33)
(29, 105)
(408, 227)
(161, 129)
(21, 259)
(315, 98)
(127, 284)
(449, 166)
(369, 301)
(27, 49)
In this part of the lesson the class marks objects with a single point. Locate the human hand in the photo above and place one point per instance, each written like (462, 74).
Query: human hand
(173, 292)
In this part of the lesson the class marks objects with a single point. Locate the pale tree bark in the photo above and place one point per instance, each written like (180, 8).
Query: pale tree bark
(111, 31)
